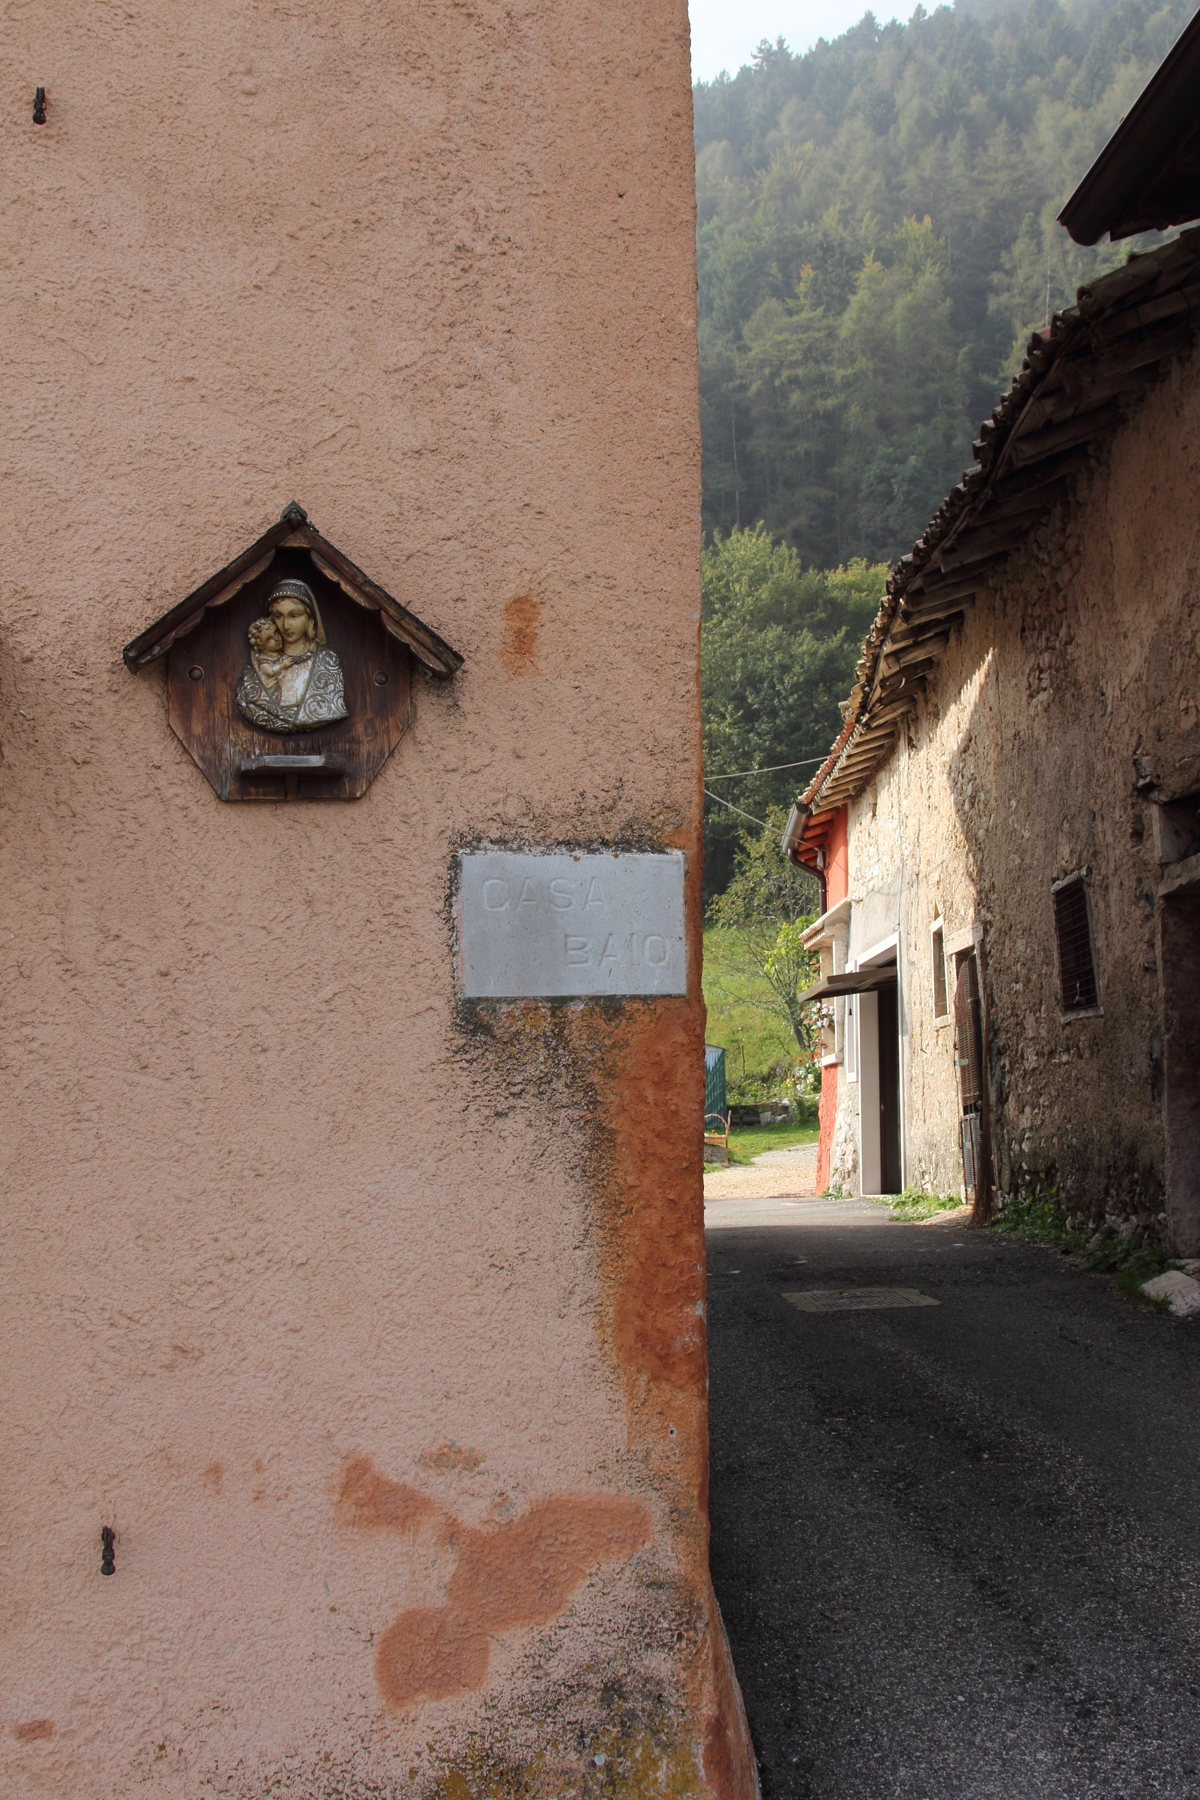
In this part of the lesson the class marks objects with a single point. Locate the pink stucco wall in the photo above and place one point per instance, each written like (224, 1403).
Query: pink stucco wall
(371, 1326)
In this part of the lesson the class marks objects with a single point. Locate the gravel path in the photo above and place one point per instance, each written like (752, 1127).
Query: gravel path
(783, 1173)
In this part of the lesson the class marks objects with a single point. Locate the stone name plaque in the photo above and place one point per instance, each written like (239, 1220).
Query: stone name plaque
(534, 927)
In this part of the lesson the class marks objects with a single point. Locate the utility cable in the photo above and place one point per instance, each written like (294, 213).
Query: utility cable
(736, 809)
(736, 774)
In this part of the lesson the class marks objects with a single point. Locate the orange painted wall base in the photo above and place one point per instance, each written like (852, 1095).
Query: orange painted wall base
(827, 1115)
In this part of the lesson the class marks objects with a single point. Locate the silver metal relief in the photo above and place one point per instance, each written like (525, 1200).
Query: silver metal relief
(293, 681)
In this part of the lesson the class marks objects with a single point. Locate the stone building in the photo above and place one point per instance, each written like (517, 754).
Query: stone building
(1008, 824)
(353, 1280)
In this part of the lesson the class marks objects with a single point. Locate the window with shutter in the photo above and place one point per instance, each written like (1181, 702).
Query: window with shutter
(968, 1055)
(968, 1033)
(1078, 987)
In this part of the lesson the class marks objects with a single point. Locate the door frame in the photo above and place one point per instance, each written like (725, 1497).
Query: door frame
(1178, 934)
(866, 1025)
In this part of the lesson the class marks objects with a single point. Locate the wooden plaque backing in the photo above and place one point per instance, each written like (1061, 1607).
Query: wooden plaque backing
(203, 710)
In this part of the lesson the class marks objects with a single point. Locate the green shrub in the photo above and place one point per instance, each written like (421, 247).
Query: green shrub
(1037, 1214)
(915, 1203)
(1129, 1258)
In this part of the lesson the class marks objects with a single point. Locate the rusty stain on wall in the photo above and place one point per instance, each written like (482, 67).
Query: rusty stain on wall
(430, 1653)
(368, 1501)
(655, 1259)
(519, 645)
(619, 1073)
(524, 1572)
(32, 1729)
(655, 1268)
(520, 1573)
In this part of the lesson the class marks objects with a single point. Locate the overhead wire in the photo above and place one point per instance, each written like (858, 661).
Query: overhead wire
(736, 774)
(737, 809)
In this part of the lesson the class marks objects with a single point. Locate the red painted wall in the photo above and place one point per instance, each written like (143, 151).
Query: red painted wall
(837, 860)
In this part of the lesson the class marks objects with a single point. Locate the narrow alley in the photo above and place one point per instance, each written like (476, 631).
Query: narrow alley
(957, 1546)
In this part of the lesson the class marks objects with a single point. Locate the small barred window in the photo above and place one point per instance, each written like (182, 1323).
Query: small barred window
(941, 1003)
(1076, 956)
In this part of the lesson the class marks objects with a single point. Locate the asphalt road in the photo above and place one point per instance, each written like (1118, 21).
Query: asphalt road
(957, 1547)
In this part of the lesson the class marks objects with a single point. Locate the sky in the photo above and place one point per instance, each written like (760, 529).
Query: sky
(725, 33)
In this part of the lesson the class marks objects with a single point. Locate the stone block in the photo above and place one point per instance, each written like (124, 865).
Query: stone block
(1181, 1292)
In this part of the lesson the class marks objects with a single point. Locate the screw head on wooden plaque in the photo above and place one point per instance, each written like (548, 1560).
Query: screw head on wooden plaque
(289, 672)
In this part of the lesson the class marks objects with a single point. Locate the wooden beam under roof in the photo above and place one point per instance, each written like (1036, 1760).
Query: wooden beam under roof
(1066, 402)
(1147, 177)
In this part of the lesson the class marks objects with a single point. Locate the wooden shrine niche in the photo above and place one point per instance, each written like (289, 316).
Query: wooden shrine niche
(289, 672)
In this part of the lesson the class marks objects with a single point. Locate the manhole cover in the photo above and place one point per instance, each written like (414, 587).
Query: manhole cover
(823, 1300)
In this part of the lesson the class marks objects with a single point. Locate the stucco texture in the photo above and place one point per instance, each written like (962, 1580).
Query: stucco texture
(1064, 709)
(371, 1323)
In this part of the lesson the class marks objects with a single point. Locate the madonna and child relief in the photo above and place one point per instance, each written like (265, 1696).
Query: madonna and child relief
(293, 681)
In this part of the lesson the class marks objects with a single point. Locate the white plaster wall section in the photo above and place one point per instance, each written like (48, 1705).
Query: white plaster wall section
(907, 841)
(876, 913)
(943, 888)
(870, 1162)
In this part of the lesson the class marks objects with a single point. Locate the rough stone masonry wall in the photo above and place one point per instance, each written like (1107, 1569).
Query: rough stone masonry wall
(907, 868)
(1077, 677)
(371, 1324)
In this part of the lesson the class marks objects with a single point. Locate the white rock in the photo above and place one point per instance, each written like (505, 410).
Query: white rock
(1179, 1289)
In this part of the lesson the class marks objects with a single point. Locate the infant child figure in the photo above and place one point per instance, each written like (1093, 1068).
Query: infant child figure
(266, 651)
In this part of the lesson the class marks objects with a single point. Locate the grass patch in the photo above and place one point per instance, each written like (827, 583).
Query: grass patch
(749, 1141)
(914, 1204)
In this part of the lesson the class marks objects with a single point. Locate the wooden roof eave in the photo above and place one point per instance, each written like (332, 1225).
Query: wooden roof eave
(1068, 398)
(1116, 196)
(292, 531)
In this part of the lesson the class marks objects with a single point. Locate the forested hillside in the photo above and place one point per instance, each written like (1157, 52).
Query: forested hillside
(877, 240)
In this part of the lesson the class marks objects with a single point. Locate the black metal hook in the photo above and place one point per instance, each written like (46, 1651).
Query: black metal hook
(39, 106)
(108, 1560)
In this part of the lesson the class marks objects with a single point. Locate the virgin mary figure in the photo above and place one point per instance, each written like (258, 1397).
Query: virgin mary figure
(293, 681)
